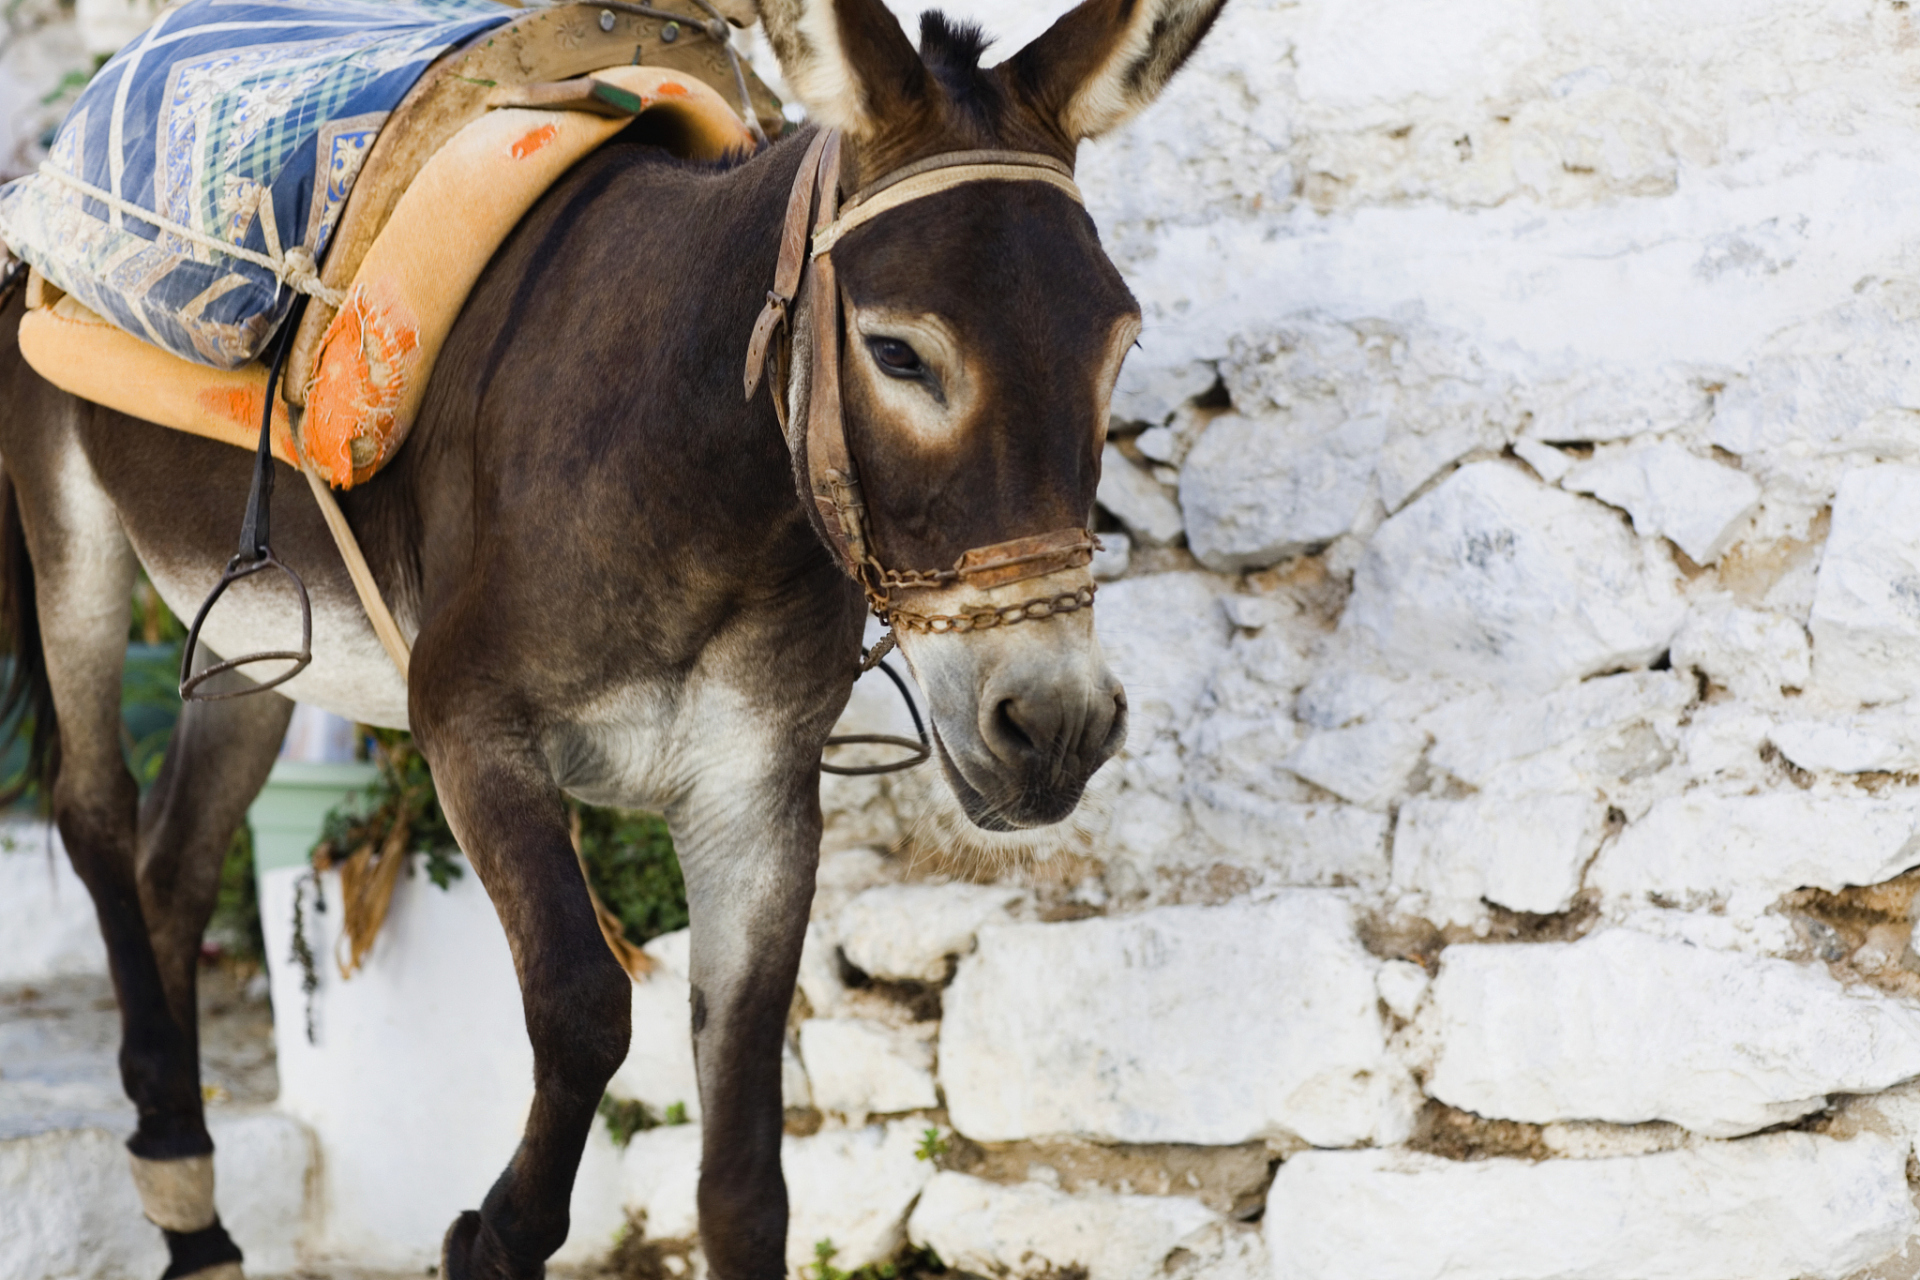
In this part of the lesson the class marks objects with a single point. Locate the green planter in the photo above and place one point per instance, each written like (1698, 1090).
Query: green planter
(296, 800)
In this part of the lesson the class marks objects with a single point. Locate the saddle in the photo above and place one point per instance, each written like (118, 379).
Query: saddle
(479, 137)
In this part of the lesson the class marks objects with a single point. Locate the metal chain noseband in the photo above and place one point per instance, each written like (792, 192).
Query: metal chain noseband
(1005, 615)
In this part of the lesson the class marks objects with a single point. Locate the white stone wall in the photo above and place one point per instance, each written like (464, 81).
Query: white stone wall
(1522, 624)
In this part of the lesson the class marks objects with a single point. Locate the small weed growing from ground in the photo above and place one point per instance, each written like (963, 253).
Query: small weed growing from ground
(625, 1118)
(933, 1145)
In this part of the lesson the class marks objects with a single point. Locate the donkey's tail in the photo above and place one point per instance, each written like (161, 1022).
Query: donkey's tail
(26, 707)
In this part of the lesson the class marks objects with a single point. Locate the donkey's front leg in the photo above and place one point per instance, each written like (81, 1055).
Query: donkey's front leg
(748, 848)
(506, 811)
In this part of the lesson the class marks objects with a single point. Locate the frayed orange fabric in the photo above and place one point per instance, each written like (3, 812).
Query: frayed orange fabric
(379, 351)
(370, 353)
(376, 357)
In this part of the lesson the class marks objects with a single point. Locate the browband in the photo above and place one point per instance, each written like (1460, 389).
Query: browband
(932, 178)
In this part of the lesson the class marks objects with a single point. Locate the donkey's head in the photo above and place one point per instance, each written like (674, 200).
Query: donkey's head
(982, 331)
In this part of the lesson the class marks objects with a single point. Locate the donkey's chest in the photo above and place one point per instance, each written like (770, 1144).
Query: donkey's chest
(644, 745)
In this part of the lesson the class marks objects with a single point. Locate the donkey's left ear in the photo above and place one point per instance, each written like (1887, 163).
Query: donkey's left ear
(1106, 59)
(847, 61)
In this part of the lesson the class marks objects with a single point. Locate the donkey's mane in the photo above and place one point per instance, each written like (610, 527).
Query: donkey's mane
(952, 51)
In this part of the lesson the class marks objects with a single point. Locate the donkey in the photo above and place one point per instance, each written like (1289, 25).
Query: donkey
(613, 589)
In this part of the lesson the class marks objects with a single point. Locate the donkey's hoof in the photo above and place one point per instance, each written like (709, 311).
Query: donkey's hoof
(456, 1251)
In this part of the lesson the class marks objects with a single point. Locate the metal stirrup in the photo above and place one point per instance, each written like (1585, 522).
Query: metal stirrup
(255, 555)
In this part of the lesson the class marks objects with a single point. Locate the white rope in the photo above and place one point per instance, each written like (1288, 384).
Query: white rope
(295, 268)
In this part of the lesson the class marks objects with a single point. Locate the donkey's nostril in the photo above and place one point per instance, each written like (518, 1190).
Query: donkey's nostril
(1007, 720)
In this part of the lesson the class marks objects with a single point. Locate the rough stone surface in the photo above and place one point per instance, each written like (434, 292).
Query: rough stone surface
(1367, 764)
(859, 1067)
(1595, 731)
(1491, 576)
(911, 931)
(1032, 1231)
(1320, 845)
(1136, 499)
(1672, 493)
(1255, 490)
(68, 1207)
(1883, 740)
(852, 1187)
(1627, 1028)
(1756, 654)
(1749, 849)
(46, 915)
(1777, 1207)
(1866, 613)
(1524, 853)
(1265, 1022)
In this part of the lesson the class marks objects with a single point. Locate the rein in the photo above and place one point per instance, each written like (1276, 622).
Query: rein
(822, 456)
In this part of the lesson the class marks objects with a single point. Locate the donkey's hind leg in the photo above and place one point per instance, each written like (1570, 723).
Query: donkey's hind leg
(82, 577)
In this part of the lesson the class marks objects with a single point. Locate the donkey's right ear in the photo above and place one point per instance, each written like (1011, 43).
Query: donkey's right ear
(847, 61)
(1106, 59)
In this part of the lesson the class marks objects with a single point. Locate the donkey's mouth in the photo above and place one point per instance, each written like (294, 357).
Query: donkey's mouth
(1004, 804)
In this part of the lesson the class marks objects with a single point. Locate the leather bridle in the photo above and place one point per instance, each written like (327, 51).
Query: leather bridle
(823, 463)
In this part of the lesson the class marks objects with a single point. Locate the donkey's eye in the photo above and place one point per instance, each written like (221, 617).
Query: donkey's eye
(896, 357)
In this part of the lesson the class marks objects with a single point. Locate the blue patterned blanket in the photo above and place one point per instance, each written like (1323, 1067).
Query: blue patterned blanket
(194, 185)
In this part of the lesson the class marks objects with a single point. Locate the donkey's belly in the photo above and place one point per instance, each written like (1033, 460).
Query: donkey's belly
(351, 674)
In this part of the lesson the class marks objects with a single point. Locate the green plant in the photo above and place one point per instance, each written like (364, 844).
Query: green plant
(236, 913)
(676, 1114)
(631, 865)
(402, 795)
(933, 1145)
(912, 1263)
(626, 1117)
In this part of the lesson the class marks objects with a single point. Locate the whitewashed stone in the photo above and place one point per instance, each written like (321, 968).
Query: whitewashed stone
(1403, 985)
(852, 1187)
(1750, 849)
(1672, 493)
(1524, 853)
(1627, 1028)
(1111, 558)
(659, 1068)
(1223, 1251)
(1264, 1020)
(1492, 576)
(46, 914)
(908, 931)
(1547, 462)
(1311, 845)
(1778, 1207)
(1752, 653)
(1571, 739)
(1866, 610)
(660, 1177)
(1029, 1230)
(1723, 743)
(858, 1067)
(1257, 490)
(1882, 740)
(1162, 635)
(1136, 499)
(1367, 764)
(68, 1209)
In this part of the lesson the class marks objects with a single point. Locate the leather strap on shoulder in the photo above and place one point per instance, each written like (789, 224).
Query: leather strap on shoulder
(786, 273)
